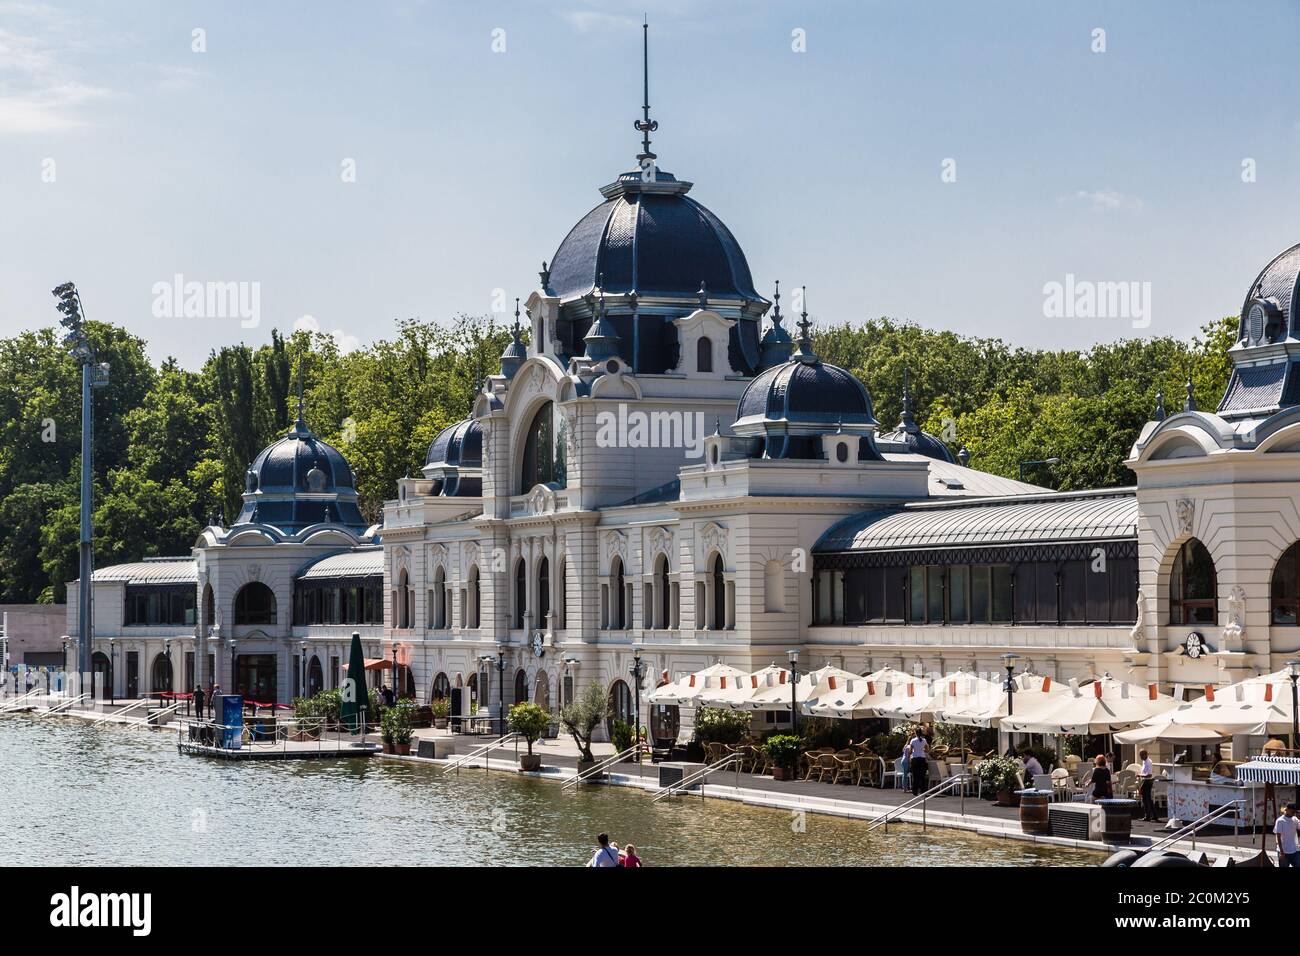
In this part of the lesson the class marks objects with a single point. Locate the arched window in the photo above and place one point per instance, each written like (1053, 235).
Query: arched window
(472, 602)
(521, 592)
(617, 596)
(663, 589)
(255, 604)
(161, 675)
(521, 686)
(560, 607)
(774, 586)
(719, 594)
(209, 606)
(1192, 586)
(438, 599)
(542, 691)
(539, 459)
(315, 676)
(704, 354)
(543, 592)
(405, 604)
(620, 706)
(1286, 587)
(441, 688)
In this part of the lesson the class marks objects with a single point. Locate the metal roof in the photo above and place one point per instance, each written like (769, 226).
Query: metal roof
(949, 479)
(159, 571)
(1087, 516)
(348, 564)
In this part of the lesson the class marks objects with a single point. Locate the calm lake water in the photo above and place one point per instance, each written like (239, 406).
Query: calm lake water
(80, 795)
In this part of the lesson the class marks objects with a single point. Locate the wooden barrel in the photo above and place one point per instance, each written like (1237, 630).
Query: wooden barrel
(1033, 811)
(1117, 819)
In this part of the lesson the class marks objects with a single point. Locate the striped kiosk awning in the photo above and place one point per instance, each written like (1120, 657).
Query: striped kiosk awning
(1271, 770)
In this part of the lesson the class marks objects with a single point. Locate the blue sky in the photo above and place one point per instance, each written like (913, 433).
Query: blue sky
(471, 165)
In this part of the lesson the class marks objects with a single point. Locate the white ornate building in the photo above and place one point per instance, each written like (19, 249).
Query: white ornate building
(664, 468)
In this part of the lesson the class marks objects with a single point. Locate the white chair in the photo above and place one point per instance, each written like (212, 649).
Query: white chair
(1043, 781)
(1062, 784)
(891, 778)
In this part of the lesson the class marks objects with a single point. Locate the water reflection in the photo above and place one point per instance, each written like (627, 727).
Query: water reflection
(74, 794)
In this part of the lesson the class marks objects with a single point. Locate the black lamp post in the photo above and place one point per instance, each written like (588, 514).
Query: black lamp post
(112, 671)
(171, 682)
(234, 689)
(63, 678)
(637, 671)
(1039, 461)
(501, 690)
(1293, 670)
(303, 689)
(1009, 662)
(793, 654)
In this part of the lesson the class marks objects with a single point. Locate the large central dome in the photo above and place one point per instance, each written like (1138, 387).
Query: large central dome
(648, 237)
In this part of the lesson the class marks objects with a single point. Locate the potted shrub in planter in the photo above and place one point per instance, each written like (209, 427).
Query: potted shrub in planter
(581, 718)
(529, 721)
(621, 737)
(395, 728)
(441, 709)
(999, 774)
(784, 750)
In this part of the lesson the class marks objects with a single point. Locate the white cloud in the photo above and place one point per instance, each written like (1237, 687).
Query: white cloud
(1104, 199)
(41, 89)
(345, 342)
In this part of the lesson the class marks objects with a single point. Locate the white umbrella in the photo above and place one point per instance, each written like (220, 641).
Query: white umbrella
(688, 689)
(989, 706)
(1256, 706)
(737, 693)
(778, 697)
(1164, 728)
(1105, 706)
(852, 699)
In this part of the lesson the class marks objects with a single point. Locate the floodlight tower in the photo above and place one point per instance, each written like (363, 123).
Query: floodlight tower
(92, 376)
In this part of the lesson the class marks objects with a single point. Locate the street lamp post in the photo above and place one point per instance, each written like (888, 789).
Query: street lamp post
(1039, 461)
(63, 678)
(638, 672)
(793, 654)
(1293, 670)
(1009, 662)
(112, 671)
(233, 688)
(303, 686)
(171, 679)
(501, 690)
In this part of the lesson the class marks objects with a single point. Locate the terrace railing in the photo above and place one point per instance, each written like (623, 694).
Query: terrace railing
(698, 777)
(1200, 823)
(602, 766)
(483, 752)
(922, 800)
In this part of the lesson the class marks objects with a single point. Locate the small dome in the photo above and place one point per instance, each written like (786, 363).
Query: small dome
(1267, 313)
(908, 438)
(798, 394)
(298, 481)
(458, 445)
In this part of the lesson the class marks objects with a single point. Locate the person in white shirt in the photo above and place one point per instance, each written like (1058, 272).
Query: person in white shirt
(605, 855)
(1287, 831)
(1148, 781)
(917, 753)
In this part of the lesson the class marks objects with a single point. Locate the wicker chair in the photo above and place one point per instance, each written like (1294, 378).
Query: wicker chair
(845, 762)
(762, 763)
(713, 752)
(825, 766)
(867, 767)
(810, 763)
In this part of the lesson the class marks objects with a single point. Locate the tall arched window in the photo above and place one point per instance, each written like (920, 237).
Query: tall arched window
(617, 596)
(543, 592)
(719, 594)
(160, 679)
(704, 354)
(1193, 587)
(560, 607)
(521, 687)
(438, 599)
(1286, 587)
(620, 706)
(441, 688)
(663, 590)
(315, 676)
(521, 592)
(543, 458)
(255, 604)
(209, 606)
(404, 601)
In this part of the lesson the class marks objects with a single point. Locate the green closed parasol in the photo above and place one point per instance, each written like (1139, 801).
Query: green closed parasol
(356, 698)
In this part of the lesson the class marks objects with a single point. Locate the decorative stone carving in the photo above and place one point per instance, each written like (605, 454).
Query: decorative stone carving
(616, 543)
(1139, 631)
(255, 572)
(714, 538)
(1234, 631)
(1185, 509)
(661, 539)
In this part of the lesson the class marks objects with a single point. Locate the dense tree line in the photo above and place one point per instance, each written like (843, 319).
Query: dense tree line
(172, 445)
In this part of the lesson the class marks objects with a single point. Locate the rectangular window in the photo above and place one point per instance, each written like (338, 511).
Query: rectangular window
(916, 594)
(1075, 582)
(825, 596)
(1026, 609)
(856, 585)
(958, 580)
(895, 593)
(1123, 590)
(1045, 579)
(875, 595)
(1097, 579)
(934, 595)
(838, 610)
(979, 594)
(1001, 590)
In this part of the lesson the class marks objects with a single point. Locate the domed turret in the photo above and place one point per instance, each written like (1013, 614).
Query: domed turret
(1266, 357)
(515, 353)
(455, 460)
(793, 404)
(776, 345)
(907, 437)
(299, 481)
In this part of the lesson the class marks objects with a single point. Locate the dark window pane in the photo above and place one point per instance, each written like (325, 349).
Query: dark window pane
(1075, 578)
(895, 593)
(875, 594)
(958, 577)
(979, 594)
(1123, 590)
(855, 595)
(1026, 608)
(1000, 586)
(1097, 584)
(934, 602)
(1045, 575)
(916, 592)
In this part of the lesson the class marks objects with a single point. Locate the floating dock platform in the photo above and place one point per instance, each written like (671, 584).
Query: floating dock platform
(280, 750)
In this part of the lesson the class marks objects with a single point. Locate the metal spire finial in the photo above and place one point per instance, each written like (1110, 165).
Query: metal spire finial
(1189, 405)
(907, 420)
(301, 424)
(805, 352)
(645, 125)
(776, 306)
(1161, 414)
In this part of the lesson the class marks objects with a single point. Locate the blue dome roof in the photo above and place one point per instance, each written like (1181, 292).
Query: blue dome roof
(651, 239)
(460, 444)
(809, 394)
(298, 481)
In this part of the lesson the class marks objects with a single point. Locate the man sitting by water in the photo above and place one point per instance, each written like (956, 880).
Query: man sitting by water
(605, 855)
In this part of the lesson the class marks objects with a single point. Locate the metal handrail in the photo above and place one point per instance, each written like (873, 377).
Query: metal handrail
(144, 722)
(599, 768)
(118, 713)
(698, 777)
(476, 753)
(66, 703)
(921, 799)
(1200, 823)
(16, 703)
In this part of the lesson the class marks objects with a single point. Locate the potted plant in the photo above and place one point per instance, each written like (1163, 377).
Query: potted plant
(999, 774)
(529, 721)
(581, 718)
(388, 731)
(395, 728)
(621, 735)
(441, 708)
(784, 750)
